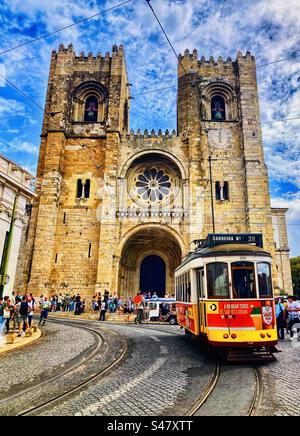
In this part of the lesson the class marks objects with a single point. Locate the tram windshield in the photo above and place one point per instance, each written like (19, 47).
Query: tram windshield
(264, 280)
(217, 280)
(243, 280)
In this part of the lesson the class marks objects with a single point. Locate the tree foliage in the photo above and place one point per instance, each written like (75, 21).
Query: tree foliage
(295, 264)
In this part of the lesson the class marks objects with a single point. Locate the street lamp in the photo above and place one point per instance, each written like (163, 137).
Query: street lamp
(210, 159)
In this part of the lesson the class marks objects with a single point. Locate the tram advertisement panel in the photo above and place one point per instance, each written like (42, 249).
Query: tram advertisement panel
(185, 316)
(247, 315)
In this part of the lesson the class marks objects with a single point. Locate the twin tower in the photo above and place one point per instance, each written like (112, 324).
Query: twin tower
(118, 210)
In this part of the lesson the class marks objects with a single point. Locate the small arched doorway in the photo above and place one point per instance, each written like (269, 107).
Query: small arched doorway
(153, 275)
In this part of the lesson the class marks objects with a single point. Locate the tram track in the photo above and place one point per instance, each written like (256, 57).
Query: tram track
(257, 398)
(101, 346)
(212, 388)
(212, 385)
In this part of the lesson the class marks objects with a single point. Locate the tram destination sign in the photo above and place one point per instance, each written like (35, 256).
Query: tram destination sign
(242, 238)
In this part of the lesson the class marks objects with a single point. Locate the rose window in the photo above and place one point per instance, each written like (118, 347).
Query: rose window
(153, 185)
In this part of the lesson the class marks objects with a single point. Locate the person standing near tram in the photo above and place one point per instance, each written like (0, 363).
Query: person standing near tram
(294, 312)
(280, 317)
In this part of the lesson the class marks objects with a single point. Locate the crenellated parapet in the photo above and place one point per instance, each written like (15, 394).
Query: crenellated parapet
(117, 52)
(191, 61)
(167, 135)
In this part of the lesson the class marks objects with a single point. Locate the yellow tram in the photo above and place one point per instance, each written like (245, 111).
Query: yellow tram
(224, 294)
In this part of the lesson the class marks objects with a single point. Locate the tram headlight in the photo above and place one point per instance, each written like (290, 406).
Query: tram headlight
(262, 335)
(269, 335)
(225, 336)
(233, 336)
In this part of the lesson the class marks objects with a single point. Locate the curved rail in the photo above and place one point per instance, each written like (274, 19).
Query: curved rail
(206, 393)
(101, 343)
(257, 398)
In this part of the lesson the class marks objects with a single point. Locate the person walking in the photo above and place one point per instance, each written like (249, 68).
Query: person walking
(30, 310)
(280, 318)
(293, 311)
(72, 304)
(106, 295)
(103, 311)
(8, 310)
(138, 299)
(45, 307)
(77, 305)
(99, 302)
(111, 305)
(17, 317)
(24, 309)
(140, 313)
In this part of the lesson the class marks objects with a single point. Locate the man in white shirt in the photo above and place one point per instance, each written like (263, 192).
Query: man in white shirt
(294, 312)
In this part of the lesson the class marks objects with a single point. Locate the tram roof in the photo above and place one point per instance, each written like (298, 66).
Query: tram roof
(227, 250)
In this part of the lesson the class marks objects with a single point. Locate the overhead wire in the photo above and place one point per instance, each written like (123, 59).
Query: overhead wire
(76, 23)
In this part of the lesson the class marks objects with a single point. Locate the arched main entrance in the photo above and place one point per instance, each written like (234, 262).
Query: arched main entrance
(148, 258)
(153, 275)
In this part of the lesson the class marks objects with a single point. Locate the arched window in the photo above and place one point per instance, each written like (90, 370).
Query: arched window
(226, 191)
(79, 191)
(91, 109)
(87, 188)
(222, 191)
(218, 109)
(218, 191)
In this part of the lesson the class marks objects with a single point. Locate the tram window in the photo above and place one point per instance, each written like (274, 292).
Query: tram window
(200, 284)
(189, 293)
(264, 280)
(217, 280)
(183, 288)
(243, 280)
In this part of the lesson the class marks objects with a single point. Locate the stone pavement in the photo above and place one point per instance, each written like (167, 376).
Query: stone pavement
(58, 346)
(281, 382)
(163, 375)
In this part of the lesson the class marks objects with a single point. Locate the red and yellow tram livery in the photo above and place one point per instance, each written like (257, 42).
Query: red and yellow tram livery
(224, 293)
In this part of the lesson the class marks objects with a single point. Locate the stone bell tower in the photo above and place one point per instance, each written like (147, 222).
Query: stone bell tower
(218, 111)
(87, 111)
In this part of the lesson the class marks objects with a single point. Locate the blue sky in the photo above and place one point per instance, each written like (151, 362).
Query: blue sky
(268, 28)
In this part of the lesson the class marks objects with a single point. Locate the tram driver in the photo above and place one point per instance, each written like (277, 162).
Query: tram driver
(222, 284)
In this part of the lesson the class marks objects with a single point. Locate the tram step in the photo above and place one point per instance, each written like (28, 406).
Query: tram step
(252, 355)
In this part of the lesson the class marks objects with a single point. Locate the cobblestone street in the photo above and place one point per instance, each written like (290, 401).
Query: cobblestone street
(163, 372)
(43, 359)
(282, 382)
(153, 381)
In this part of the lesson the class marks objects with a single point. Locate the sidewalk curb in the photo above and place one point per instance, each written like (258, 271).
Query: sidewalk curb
(23, 343)
(117, 322)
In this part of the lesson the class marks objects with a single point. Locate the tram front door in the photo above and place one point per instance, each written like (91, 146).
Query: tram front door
(200, 295)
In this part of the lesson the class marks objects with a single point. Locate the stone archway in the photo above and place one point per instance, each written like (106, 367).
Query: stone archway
(144, 242)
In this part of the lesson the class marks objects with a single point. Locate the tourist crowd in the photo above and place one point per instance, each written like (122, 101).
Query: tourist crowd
(16, 312)
(287, 316)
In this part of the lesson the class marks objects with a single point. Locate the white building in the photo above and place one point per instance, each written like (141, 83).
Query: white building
(13, 180)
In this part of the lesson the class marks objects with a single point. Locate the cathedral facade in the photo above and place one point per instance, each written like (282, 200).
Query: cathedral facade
(118, 210)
